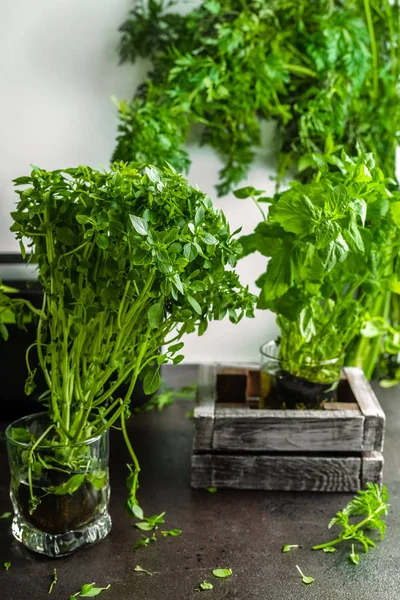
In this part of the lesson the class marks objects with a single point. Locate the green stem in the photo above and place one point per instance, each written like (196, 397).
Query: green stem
(354, 528)
(299, 70)
(30, 459)
(259, 208)
(374, 49)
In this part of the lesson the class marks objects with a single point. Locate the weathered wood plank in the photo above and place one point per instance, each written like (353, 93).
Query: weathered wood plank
(287, 430)
(260, 472)
(372, 468)
(341, 406)
(205, 409)
(374, 425)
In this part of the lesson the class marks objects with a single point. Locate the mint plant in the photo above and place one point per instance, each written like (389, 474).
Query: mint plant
(129, 261)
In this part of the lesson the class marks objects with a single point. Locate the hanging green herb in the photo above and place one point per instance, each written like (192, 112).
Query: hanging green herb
(325, 71)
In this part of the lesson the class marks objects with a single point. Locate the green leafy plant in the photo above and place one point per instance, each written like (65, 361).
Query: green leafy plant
(129, 261)
(333, 248)
(326, 72)
(372, 505)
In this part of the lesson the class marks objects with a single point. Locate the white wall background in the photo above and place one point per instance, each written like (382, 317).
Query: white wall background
(58, 71)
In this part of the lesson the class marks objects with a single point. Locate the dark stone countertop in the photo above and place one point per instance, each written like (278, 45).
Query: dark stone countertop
(242, 530)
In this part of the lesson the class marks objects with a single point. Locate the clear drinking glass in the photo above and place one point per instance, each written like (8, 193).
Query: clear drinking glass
(60, 493)
(310, 387)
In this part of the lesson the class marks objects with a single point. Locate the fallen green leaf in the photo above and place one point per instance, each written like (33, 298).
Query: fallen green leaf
(172, 532)
(304, 578)
(288, 547)
(139, 569)
(146, 541)
(354, 558)
(222, 573)
(7, 565)
(6, 515)
(204, 585)
(211, 490)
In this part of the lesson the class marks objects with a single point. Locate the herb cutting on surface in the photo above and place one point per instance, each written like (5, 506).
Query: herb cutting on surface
(7, 565)
(372, 504)
(172, 533)
(204, 585)
(145, 541)
(305, 579)
(89, 590)
(289, 547)
(6, 515)
(54, 581)
(139, 569)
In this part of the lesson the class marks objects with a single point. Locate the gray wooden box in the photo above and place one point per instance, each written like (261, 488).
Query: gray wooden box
(238, 447)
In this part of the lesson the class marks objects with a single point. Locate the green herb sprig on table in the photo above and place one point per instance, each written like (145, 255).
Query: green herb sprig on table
(129, 261)
(372, 505)
(325, 71)
(89, 590)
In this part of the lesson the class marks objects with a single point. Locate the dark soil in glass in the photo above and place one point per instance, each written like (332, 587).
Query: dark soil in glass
(61, 513)
(290, 391)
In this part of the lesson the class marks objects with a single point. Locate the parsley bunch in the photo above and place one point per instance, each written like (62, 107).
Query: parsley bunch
(322, 70)
(373, 506)
(129, 261)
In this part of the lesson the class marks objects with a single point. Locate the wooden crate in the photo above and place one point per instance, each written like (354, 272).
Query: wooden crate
(335, 449)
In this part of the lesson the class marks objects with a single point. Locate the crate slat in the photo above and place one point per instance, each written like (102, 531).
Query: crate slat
(290, 430)
(372, 467)
(205, 409)
(289, 473)
(374, 425)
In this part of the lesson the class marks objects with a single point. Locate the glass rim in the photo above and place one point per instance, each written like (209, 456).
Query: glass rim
(32, 416)
(274, 344)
